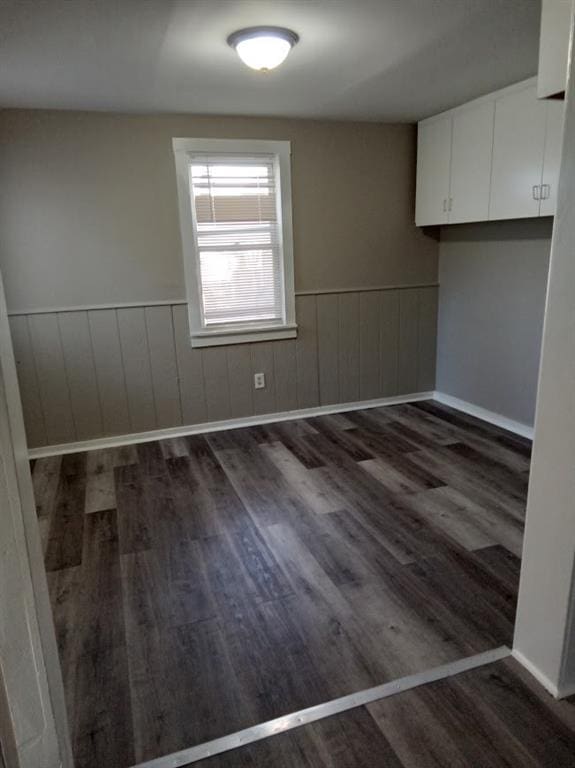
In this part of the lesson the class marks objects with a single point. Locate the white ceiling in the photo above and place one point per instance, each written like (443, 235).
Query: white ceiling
(357, 59)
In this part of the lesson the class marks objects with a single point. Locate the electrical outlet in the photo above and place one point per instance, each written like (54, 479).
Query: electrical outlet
(259, 380)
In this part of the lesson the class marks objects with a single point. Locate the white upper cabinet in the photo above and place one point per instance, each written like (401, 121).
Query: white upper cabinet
(552, 156)
(553, 47)
(518, 148)
(471, 163)
(495, 158)
(433, 162)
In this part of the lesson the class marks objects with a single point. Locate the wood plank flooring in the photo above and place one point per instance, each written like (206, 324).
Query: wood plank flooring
(492, 717)
(203, 584)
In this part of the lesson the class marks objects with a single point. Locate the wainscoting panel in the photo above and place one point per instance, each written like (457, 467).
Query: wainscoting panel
(80, 372)
(87, 373)
(110, 374)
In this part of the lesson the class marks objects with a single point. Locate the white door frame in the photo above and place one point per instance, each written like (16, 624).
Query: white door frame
(35, 731)
(545, 625)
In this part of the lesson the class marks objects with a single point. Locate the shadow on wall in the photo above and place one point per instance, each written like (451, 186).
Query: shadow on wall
(497, 231)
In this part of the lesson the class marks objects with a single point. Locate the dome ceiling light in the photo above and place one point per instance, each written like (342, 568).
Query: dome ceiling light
(263, 48)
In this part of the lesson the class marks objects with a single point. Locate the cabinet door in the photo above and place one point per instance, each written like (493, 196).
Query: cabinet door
(471, 149)
(518, 144)
(552, 156)
(433, 160)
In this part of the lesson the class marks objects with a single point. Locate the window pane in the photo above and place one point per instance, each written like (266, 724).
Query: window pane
(238, 240)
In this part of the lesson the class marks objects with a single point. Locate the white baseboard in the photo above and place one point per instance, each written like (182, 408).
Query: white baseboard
(482, 413)
(537, 674)
(558, 691)
(217, 426)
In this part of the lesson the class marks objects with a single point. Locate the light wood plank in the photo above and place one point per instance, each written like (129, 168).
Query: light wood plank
(328, 348)
(136, 357)
(390, 477)
(163, 366)
(65, 588)
(100, 492)
(81, 372)
(105, 459)
(173, 447)
(317, 496)
(28, 381)
(52, 378)
(190, 370)
(64, 544)
(109, 371)
(408, 340)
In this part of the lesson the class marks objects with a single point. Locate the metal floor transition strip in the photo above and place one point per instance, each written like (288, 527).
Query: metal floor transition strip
(321, 711)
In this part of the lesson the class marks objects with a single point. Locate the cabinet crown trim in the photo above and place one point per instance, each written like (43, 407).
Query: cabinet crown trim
(493, 96)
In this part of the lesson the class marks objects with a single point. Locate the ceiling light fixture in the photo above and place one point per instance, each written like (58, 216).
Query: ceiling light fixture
(263, 48)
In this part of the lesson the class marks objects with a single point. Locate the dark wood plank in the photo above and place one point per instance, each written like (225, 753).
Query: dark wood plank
(64, 546)
(343, 652)
(349, 740)
(101, 726)
(291, 434)
(520, 445)
(46, 479)
(339, 438)
(445, 729)
(284, 565)
(65, 588)
(151, 459)
(214, 700)
(467, 479)
(271, 659)
(74, 465)
(259, 484)
(133, 506)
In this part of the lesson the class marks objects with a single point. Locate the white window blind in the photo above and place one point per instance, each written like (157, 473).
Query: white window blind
(238, 239)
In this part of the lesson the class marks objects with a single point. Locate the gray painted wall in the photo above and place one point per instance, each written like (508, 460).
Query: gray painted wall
(89, 214)
(493, 279)
(88, 217)
(86, 374)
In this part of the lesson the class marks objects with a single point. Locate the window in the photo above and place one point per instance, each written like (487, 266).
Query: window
(235, 218)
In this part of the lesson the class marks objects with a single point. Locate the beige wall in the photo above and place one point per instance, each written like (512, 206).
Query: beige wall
(86, 374)
(88, 216)
(88, 210)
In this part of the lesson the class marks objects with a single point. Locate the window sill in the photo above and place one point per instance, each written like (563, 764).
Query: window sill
(243, 336)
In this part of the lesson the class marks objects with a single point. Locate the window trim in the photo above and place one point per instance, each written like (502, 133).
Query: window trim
(235, 333)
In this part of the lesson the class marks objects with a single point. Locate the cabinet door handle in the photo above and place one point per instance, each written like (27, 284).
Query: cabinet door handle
(536, 192)
(444, 205)
(449, 207)
(545, 191)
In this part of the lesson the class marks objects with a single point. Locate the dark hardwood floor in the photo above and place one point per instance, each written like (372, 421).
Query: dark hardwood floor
(204, 584)
(493, 717)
